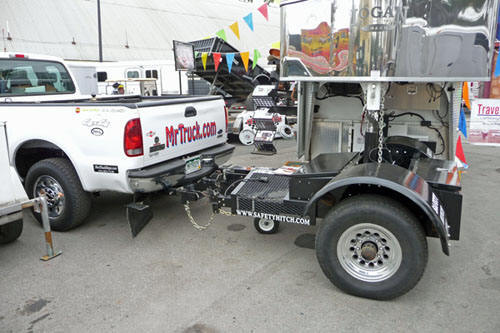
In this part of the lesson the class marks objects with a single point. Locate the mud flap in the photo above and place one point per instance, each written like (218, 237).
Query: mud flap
(138, 215)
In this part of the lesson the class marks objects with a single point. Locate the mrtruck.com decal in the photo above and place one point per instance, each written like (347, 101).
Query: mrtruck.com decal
(185, 134)
(274, 217)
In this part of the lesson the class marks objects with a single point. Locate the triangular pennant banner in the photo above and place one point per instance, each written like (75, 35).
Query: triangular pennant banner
(222, 34)
(461, 167)
(462, 125)
(217, 60)
(465, 95)
(275, 45)
(229, 60)
(244, 57)
(263, 10)
(459, 152)
(235, 29)
(249, 20)
(204, 60)
(196, 54)
(256, 56)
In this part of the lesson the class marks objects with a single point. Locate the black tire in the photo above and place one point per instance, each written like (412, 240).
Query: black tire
(381, 213)
(77, 202)
(11, 231)
(266, 226)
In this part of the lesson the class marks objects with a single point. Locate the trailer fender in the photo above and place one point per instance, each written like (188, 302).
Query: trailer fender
(393, 178)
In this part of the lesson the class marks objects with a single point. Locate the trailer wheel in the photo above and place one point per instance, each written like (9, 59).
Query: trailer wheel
(286, 132)
(247, 136)
(372, 246)
(266, 226)
(11, 231)
(68, 204)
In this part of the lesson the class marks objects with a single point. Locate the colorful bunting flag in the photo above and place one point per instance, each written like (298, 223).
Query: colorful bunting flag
(249, 20)
(204, 60)
(222, 34)
(196, 54)
(235, 28)
(263, 10)
(256, 56)
(229, 60)
(275, 45)
(462, 125)
(459, 152)
(465, 95)
(217, 60)
(244, 57)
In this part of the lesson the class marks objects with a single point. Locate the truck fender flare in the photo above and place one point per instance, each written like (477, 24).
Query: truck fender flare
(390, 177)
(42, 143)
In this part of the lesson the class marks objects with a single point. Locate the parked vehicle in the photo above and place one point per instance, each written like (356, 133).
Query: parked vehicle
(168, 80)
(66, 145)
(376, 203)
(85, 75)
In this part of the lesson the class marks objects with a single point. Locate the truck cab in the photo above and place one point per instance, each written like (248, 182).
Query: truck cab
(31, 77)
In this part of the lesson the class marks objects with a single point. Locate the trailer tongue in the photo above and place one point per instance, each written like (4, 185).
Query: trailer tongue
(379, 96)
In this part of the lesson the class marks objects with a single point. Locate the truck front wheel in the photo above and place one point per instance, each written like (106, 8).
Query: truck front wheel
(372, 246)
(68, 204)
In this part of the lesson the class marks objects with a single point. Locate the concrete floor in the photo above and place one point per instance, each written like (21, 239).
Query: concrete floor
(229, 278)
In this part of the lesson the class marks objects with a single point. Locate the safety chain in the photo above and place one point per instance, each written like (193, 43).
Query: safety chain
(381, 126)
(210, 220)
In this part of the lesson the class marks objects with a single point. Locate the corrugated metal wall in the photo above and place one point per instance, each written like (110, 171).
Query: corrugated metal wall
(149, 26)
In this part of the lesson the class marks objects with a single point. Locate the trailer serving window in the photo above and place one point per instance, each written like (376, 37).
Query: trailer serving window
(34, 77)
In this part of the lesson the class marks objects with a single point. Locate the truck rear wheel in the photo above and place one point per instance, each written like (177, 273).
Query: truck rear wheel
(11, 231)
(372, 246)
(68, 204)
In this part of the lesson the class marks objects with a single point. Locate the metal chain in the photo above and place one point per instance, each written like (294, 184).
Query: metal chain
(381, 126)
(210, 220)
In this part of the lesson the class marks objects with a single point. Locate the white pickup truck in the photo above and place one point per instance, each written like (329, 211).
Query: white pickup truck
(67, 146)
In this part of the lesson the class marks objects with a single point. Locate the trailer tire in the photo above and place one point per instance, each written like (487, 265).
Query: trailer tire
(11, 231)
(286, 132)
(266, 226)
(69, 205)
(247, 137)
(372, 246)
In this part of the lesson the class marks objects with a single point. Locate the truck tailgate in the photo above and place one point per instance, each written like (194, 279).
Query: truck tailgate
(182, 126)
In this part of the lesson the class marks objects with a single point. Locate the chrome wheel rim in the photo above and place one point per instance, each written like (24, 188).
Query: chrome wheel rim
(53, 192)
(369, 252)
(266, 224)
(247, 137)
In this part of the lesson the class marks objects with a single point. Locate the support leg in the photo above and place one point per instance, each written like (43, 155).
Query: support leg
(42, 205)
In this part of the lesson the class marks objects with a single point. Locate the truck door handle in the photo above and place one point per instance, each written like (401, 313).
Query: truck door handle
(190, 112)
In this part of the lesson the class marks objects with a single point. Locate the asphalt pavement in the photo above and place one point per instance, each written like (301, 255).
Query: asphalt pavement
(229, 278)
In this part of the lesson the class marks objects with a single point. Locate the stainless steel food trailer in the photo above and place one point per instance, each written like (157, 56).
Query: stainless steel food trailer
(378, 103)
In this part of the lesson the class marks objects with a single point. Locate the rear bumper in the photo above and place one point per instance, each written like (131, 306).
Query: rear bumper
(172, 174)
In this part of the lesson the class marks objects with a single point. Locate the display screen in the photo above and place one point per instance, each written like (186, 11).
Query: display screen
(184, 56)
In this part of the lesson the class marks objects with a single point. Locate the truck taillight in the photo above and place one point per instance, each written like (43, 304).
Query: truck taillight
(227, 122)
(132, 141)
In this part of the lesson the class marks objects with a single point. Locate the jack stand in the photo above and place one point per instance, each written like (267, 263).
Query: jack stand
(41, 205)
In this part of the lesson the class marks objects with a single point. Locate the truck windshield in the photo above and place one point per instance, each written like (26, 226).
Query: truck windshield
(33, 77)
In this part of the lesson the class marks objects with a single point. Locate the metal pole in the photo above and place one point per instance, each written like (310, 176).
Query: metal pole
(42, 206)
(99, 28)
(180, 83)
